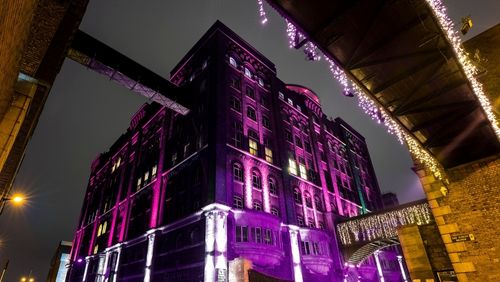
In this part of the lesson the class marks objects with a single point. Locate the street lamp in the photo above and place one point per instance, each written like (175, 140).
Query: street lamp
(16, 199)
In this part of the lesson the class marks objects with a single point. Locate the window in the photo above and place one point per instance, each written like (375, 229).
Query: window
(298, 108)
(298, 142)
(300, 220)
(205, 64)
(318, 203)
(257, 205)
(261, 81)
(252, 145)
(232, 62)
(256, 180)
(248, 73)
(288, 135)
(316, 249)
(251, 113)
(272, 187)
(269, 155)
(268, 237)
(236, 82)
(281, 96)
(303, 171)
(252, 142)
(241, 233)
(307, 146)
(238, 202)
(264, 101)
(297, 196)
(292, 166)
(275, 211)
(235, 104)
(307, 196)
(257, 234)
(265, 122)
(237, 172)
(250, 92)
(306, 250)
(310, 222)
(321, 225)
(290, 101)
(237, 134)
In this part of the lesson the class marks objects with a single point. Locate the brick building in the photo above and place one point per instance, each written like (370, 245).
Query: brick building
(248, 184)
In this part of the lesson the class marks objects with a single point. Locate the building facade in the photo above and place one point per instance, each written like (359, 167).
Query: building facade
(253, 177)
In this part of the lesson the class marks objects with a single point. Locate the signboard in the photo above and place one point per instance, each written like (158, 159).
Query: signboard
(458, 237)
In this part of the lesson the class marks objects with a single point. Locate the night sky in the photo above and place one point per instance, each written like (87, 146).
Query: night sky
(85, 112)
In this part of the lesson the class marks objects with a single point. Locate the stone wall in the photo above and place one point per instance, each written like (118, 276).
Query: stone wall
(468, 206)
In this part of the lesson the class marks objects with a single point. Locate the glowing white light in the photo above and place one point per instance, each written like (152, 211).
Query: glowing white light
(297, 269)
(149, 257)
(383, 225)
(86, 270)
(401, 267)
(262, 12)
(379, 267)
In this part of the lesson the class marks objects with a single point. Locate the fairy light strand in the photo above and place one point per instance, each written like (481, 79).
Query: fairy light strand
(262, 12)
(470, 70)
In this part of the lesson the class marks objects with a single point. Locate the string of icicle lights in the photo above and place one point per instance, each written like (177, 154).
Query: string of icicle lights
(384, 225)
(378, 113)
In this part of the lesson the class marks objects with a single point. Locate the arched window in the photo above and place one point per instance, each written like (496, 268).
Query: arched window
(297, 196)
(308, 199)
(275, 211)
(257, 205)
(232, 62)
(256, 180)
(273, 190)
(238, 172)
(248, 72)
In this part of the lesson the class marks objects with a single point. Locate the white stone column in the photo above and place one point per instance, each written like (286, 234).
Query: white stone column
(149, 257)
(294, 242)
(402, 268)
(379, 267)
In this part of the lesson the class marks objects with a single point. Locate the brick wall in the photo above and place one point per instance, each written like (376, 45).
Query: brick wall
(469, 204)
(15, 21)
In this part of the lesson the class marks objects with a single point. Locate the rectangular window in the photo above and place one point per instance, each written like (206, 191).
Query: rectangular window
(307, 146)
(244, 234)
(266, 123)
(288, 135)
(281, 96)
(305, 248)
(241, 233)
(303, 171)
(316, 250)
(257, 234)
(250, 92)
(269, 155)
(235, 82)
(268, 237)
(292, 166)
(264, 101)
(235, 104)
(251, 113)
(237, 134)
(238, 202)
(298, 142)
(252, 145)
(290, 101)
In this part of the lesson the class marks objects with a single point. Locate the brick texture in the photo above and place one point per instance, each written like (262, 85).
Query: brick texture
(471, 206)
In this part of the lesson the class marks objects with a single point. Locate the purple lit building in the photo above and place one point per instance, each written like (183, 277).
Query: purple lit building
(248, 184)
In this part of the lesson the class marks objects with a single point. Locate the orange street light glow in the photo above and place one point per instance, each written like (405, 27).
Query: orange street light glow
(17, 199)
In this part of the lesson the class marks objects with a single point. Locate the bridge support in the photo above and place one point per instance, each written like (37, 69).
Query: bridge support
(380, 273)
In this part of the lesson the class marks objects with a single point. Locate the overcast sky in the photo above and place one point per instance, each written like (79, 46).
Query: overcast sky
(85, 113)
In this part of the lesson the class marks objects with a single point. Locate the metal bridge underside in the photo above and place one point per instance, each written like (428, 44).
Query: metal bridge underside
(396, 51)
(103, 59)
